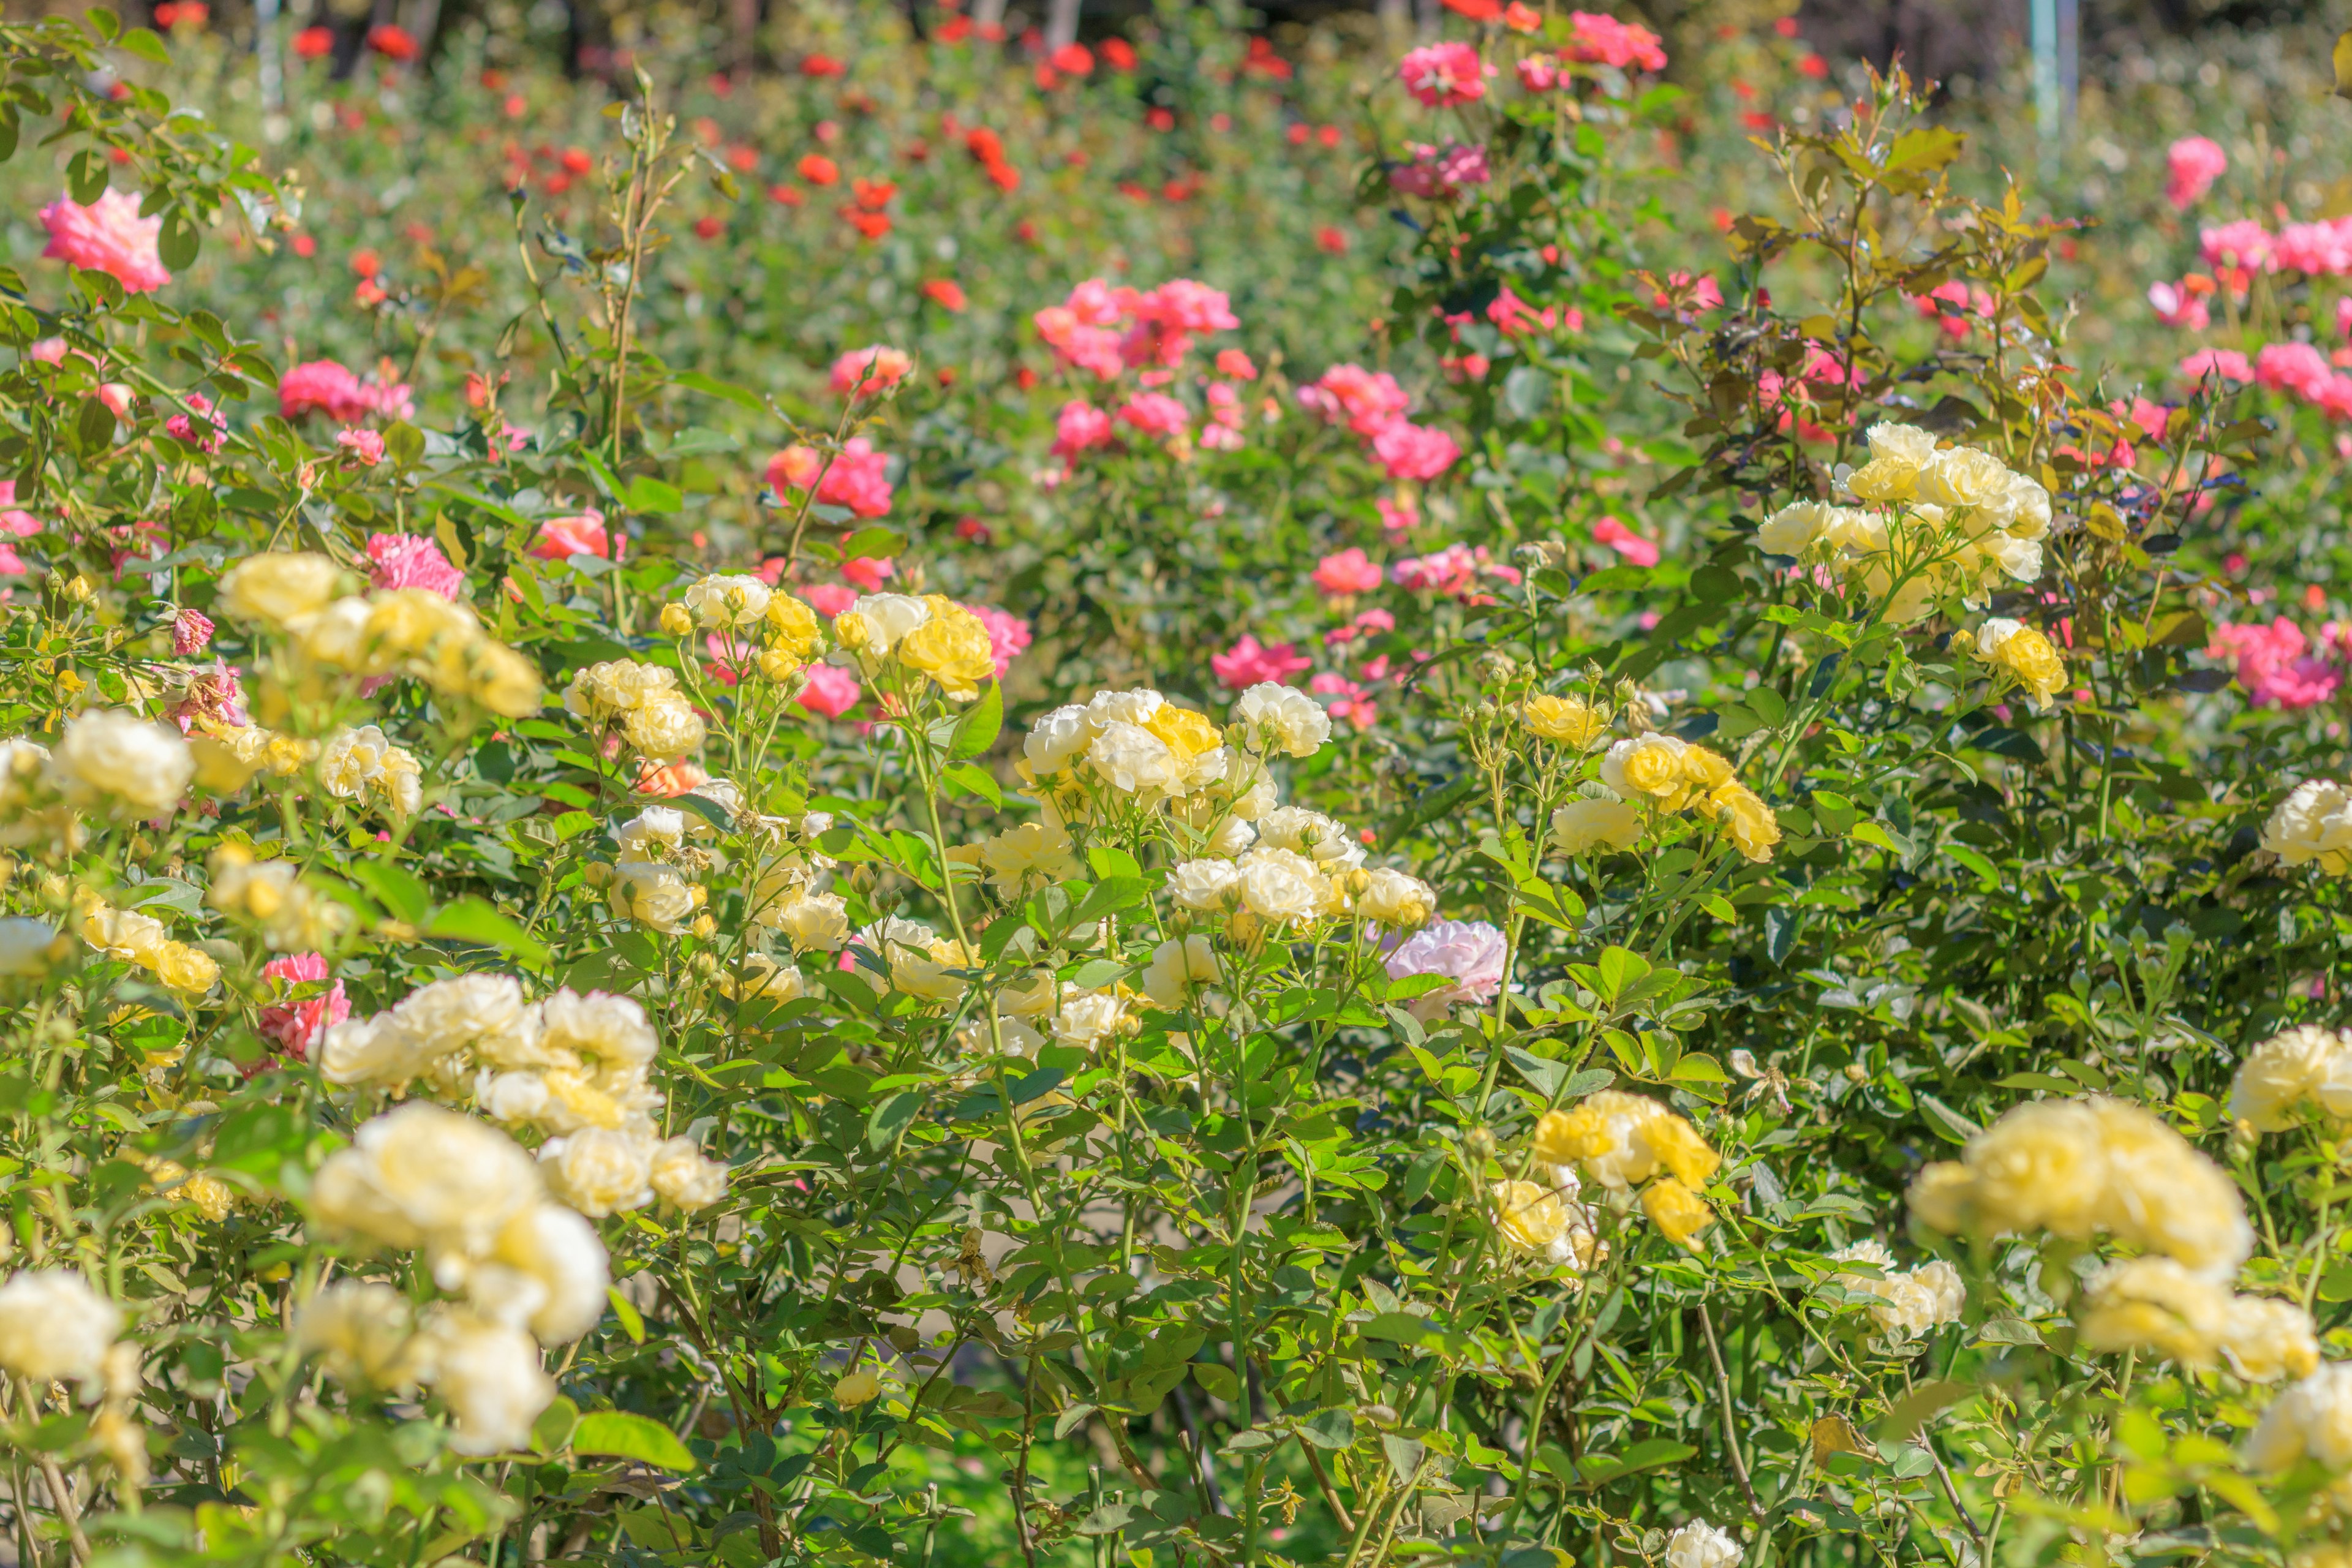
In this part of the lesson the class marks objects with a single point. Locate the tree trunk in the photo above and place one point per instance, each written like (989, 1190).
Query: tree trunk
(1061, 24)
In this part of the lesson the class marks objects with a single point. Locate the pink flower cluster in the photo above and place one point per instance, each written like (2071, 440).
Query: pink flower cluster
(2179, 305)
(1354, 705)
(1453, 573)
(1950, 304)
(1604, 40)
(1079, 427)
(2291, 367)
(325, 386)
(1346, 573)
(294, 1027)
(1373, 405)
(1636, 550)
(1008, 635)
(1248, 662)
(1437, 173)
(2191, 165)
(583, 533)
(2245, 243)
(1441, 76)
(2277, 664)
(412, 561)
(182, 427)
(858, 476)
(1158, 325)
(110, 237)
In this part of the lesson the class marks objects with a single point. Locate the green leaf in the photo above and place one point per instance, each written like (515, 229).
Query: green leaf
(971, 778)
(142, 42)
(888, 1121)
(553, 1429)
(632, 1322)
(646, 493)
(1404, 1456)
(1070, 1420)
(1035, 1085)
(394, 888)
(877, 542)
(977, 730)
(1218, 1379)
(179, 241)
(711, 386)
(86, 176)
(1950, 1124)
(1331, 1430)
(472, 920)
(627, 1436)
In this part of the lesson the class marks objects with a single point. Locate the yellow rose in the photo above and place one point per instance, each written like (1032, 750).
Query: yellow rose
(1883, 480)
(1571, 721)
(778, 664)
(1679, 1213)
(1707, 770)
(794, 626)
(677, 621)
(951, 648)
(1564, 1137)
(412, 622)
(501, 679)
(856, 1388)
(1527, 1217)
(850, 630)
(219, 767)
(2019, 653)
(1187, 733)
(188, 969)
(1754, 829)
(1648, 767)
(278, 588)
(1680, 1149)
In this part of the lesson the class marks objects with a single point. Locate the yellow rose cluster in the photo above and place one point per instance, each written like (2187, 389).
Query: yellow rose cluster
(144, 941)
(398, 631)
(2021, 657)
(2079, 1167)
(2157, 1305)
(1909, 1302)
(1664, 775)
(363, 766)
(741, 608)
(930, 637)
(2304, 1064)
(2313, 825)
(273, 896)
(1629, 1140)
(1937, 521)
(637, 703)
(577, 1068)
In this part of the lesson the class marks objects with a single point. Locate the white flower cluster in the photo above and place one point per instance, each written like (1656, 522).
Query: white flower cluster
(1139, 745)
(1949, 521)
(1040, 1009)
(2313, 822)
(109, 763)
(2305, 1063)
(2311, 1420)
(1699, 1544)
(363, 764)
(55, 1327)
(639, 703)
(2156, 1304)
(577, 1067)
(487, 1370)
(1909, 1303)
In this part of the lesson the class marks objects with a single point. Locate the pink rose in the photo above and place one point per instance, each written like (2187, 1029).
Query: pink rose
(1635, 549)
(831, 691)
(869, 572)
(294, 1027)
(108, 237)
(861, 373)
(2192, 163)
(1441, 76)
(1346, 572)
(364, 446)
(561, 538)
(1410, 451)
(829, 599)
(412, 561)
(192, 632)
(1007, 635)
(1155, 413)
(1248, 663)
(1469, 953)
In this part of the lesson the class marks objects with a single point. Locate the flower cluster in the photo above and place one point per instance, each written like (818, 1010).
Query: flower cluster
(1108, 331)
(1908, 1301)
(1628, 1141)
(2304, 1064)
(1661, 775)
(146, 942)
(622, 700)
(2314, 823)
(928, 638)
(576, 1067)
(1950, 522)
(1373, 405)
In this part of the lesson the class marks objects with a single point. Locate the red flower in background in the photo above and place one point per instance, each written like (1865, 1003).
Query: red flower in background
(1072, 59)
(822, 66)
(393, 42)
(1118, 54)
(946, 293)
(819, 170)
(311, 42)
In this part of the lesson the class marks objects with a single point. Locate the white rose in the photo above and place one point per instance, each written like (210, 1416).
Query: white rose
(1794, 528)
(1136, 707)
(684, 1176)
(370, 1050)
(664, 726)
(490, 1377)
(561, 1254)
(1963, 477)
(510, 1096)
(652, 830)
(1699, 1544)
(1057, 740)
(1279, 886)
(1133, 759)
(1086, 1018)
(1174, 964)
(425, 1176)
(652, 894)
(1320, 839)
(818, 921)
(2028, 506)
(598, 1171)
(111, 758)
(450, 1016)
(350, 759)
(125, 934)
(725, 599)
(1204, 884)
(1233, 836)
(2313, 822)
(888, 617)
(1283, 718)
(338, 635)
(1654, 760)
(611, 1029)
(1582, 824)
(1905, 444)
(53, 1326)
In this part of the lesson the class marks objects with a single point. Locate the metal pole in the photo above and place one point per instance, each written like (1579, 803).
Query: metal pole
(271, 64)
(2046, 99)
(2070, 61)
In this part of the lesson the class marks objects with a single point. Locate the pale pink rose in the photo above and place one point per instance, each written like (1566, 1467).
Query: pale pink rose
(861, 373)
(1007, 635)
(294, 1027)
(1346, 572)
(1470, 954)
(1155, 413)
(2228, 364)
(2275, 665)
(831, 691)
(117, 398)
(2193, 164)
(413, 560)
(11, 564)
(561, 538)
(829, 599)
(107, 237)
(192, 632)
(1247, 662)
(2176, 307)
(366, 446)
(1641, 552)
(48, 351)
